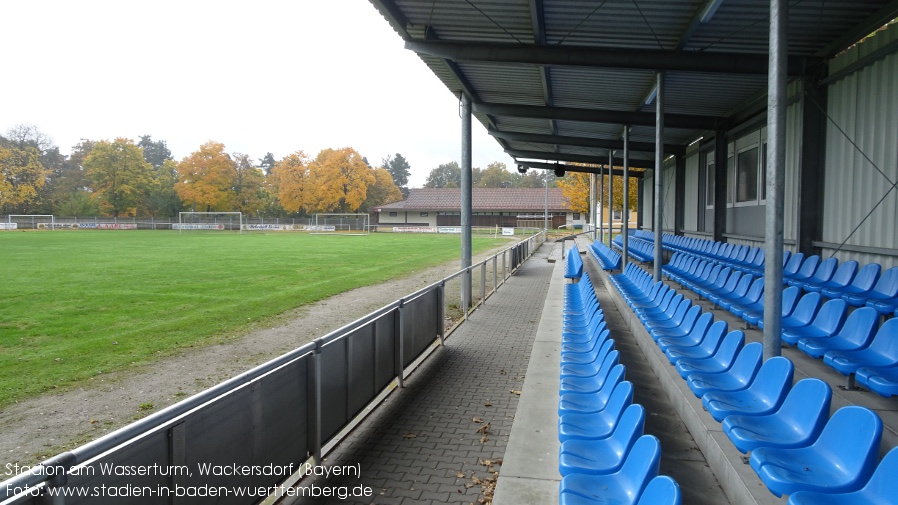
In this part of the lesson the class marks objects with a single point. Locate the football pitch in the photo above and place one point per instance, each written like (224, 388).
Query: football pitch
(74, 304)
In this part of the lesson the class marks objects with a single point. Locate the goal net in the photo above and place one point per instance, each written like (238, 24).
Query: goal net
(30, 221)
(340, 224)
(209, 221)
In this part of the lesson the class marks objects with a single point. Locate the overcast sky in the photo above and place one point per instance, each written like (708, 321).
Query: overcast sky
(259, 76)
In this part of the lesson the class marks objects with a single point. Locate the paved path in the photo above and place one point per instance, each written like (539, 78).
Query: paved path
(441, 438)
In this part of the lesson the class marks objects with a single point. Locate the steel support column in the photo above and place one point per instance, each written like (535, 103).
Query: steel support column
(811, 173)
(625, 217)
(659, 173)
(640, 202)
(466, 200)
(776, 179)
(602, 203)
(680, 195)
(720, 186)
(610, 196)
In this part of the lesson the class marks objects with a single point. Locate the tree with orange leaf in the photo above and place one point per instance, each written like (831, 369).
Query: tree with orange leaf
(382, 191)
(575, 188)
(290, 182)
(341, 179)
(205, 179)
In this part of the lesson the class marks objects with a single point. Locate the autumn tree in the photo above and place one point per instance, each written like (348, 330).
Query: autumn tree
(119, 176)
(248, 185)
(69, 191)
(163, 200)
(382, 191)
(290, 181)
(341, 181)
(619, 192)
(575, 188)
(205, 179)
(21, 175)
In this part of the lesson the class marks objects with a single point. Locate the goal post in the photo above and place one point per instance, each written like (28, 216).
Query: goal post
(32, 221)
(209, 221)
(340, 224)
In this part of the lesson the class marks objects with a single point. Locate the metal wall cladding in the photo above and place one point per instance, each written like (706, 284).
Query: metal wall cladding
(793, 163)
(459, 20)
(708, 94)
(600, 88)
(862, 153)
(669, 197)
(648, 202)
(521, 124)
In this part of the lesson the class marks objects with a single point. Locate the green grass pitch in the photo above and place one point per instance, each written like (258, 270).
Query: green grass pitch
(77, 303)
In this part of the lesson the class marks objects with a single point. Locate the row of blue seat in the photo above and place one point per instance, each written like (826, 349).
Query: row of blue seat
(867, 285)
(606, 257)
(640, 249)
(797, 448)
(849, 343)
(605, 455)
(573, 263)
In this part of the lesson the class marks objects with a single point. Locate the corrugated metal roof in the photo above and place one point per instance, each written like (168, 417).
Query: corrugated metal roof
(815, 28)
(482, 200)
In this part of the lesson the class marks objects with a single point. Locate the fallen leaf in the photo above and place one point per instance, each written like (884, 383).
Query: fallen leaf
(488, 404)
(409, 435)
(460, 475)
(483, 439)
(477, 420)
(485, 429)
(475, 480)
(515, 391)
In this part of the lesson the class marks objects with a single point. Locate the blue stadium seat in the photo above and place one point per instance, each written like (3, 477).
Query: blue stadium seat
(682, 327)
(695, 335)
(882, 488)
(882, 352)
(827, 322)
(856, 333)
(886, 288)
(805, 311)
(573, 263)
(586, 403)
(599, 424)
(705, 349)
(808, 267)
(721, 361)
(737, 377)
(584, 357)
(764, 395)
(793, 264)
(881, 380)
(797, 423)
(841, 278)
(739, 305)
(661, 490)
(603, 456)
(841, 460)
(590, 369)
(863, 282)
(824, 273)
(755, 314)
(590, 383)
(621, 487)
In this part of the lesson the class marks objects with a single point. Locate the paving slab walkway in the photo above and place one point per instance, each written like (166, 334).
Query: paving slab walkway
(441, 439)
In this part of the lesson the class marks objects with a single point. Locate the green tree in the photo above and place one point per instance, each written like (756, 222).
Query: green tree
(154, 152)
(495, 176)
(400, 170)
(120, 177)
(163, 200)
(68, 190)
(267, 162)
(447, 175)
(248, 185)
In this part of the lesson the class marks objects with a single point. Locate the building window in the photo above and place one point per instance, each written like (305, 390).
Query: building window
(747, 175)
(394, 214)
(764, 174)
(576, 216)
(423, 214)
(731, 176)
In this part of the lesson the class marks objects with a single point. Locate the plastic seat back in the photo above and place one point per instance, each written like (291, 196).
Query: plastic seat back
(881, 488)
(806, 309)
(844, 275)
(831, 316)
(859, 327)
(774, 380)
(641, 466)
(793, 264)
(885, 343)
(791, 295)
(808, 267)
(866, 277)
(661, 490)
(758, 262)
(887, 285)
(825, 271)
(851, 440)
(806, 407)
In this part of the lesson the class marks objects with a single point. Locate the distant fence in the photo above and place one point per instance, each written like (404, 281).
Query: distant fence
(255, 431)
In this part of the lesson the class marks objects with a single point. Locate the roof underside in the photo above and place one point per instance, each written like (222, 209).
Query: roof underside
(570, 75)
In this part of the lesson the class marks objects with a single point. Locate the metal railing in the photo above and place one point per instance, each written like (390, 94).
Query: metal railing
(278, 416)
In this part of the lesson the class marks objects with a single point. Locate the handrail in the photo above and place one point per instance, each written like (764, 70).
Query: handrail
(53, 471)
